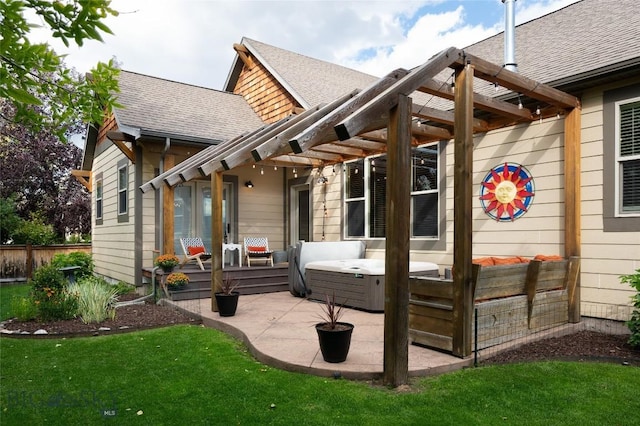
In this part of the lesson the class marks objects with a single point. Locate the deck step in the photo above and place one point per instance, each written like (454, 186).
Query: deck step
(254, 280)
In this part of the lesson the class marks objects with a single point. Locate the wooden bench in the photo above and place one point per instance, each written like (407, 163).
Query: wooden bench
(511, 301)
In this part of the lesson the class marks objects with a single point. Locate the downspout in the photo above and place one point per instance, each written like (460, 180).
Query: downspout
(510, 35)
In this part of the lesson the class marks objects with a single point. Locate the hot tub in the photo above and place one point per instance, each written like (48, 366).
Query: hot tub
(357, 283)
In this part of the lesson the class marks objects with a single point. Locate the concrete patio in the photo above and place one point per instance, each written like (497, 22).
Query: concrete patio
(278, 329)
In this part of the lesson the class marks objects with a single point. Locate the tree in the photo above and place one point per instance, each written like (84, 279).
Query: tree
(10, 221)
(26, 68)
(35, 174)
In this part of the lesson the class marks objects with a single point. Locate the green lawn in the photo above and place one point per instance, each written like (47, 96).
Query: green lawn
(7, 293)
(192, 375)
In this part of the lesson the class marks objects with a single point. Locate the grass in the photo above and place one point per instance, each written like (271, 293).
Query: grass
(7, 293)
(197, 376)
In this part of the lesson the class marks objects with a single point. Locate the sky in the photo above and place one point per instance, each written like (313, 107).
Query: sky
(191, 41)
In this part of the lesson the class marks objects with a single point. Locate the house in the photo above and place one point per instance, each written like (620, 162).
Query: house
(586, 200)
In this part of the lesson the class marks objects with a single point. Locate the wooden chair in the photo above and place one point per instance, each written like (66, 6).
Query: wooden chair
(257, 248)
(194, 250)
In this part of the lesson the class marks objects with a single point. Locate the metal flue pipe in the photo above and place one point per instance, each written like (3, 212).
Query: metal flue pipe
(510, 35)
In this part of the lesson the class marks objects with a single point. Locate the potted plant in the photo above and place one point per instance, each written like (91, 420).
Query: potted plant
(334, 336)
(167, 262)
(227, 297)
(177, 280)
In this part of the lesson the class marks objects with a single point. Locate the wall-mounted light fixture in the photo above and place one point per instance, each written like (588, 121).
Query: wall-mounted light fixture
(248, 184)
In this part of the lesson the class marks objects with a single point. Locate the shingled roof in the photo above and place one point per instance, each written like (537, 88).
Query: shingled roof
(165, 108)
(584, 40)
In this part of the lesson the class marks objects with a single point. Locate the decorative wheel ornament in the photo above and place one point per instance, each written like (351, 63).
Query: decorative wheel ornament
(506, 192)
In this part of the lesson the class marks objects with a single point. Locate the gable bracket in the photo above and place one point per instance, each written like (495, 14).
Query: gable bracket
(84, 177)
(119, 139)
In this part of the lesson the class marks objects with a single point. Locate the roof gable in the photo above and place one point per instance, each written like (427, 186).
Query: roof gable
(160, 107)
(311, 81)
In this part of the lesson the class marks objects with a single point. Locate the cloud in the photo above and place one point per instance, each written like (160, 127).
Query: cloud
(192, 41)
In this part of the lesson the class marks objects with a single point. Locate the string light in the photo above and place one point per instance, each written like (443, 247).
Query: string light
(334, 169)
(261, 170)
(254, 166)
(538, 112)
(519, 102)
(495, 85)
(275, 168)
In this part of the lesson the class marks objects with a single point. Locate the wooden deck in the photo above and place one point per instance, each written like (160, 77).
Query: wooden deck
(252, 280)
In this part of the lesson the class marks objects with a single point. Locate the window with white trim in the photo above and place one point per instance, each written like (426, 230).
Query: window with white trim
(366, 190)
(123, 191)
(628, 157)
(99, 200)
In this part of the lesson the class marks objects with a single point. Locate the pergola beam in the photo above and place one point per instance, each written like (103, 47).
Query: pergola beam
(322, 131)
(381, 104)
(280, 144)
(496, 106)
(517, 82)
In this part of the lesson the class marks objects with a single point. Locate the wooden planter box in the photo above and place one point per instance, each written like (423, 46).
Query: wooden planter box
(512, 301)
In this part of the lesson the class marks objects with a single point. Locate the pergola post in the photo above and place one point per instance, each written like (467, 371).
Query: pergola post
(217, 237)
(462, 208)
(398, 205)
(167, 209)
(572, 199)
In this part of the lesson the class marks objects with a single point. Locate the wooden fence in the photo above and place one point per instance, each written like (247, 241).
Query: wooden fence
(19, 261)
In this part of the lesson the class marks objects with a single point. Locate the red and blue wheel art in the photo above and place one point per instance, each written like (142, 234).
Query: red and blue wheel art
(506, 192)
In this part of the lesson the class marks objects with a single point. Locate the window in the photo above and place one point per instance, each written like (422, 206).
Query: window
(628, 151)
(621, 159)
(366, 190)
(99, 199)
(123, 193)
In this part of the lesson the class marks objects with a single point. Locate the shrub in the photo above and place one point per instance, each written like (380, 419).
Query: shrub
(96, 299)
(75, 258)
(47, 277)
(50, 295)
(122, 287)
(35, 232)
(24, 308)
(55, 304)
(634, 323)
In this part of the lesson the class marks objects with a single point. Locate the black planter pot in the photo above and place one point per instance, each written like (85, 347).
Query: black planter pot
(334, 344)
(227, 303)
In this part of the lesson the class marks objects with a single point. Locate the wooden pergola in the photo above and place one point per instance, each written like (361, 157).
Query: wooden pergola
(383, 118)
